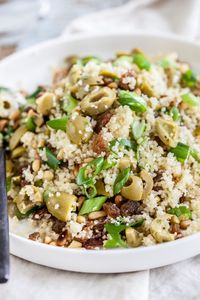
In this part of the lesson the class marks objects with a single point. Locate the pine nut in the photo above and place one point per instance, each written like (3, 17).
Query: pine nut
(48, 175)
(75, 244)
(15, 115)
(36, 165)
(80, 219)
(47, 240)
(184, 224)
(96, 215)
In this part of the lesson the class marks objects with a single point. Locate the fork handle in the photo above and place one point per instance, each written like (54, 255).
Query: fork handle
(4, 231)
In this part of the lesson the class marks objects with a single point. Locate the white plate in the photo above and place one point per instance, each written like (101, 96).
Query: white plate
(34, 66)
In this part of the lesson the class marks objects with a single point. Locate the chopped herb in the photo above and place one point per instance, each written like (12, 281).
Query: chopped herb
(30, 125)
(108, 164)
(175, 114)
(82, 178)
(195, 154)
(58, 123)
(189, 78)
(90, 190)
(83, 61)
(92, 204)
(52, 161)
(114, 231)
(181, 151)
(141, 61)
(121, 180)
(128, 144)
(190, 99)
(20, 215)
(133, 100)
(138, 129)
(69, 104)
(32, 97)
(181, 211)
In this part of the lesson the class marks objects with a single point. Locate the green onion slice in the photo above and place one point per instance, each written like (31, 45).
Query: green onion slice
(69, 104)
(181, 151)
(175, 114)
(30, 125)
(92, 204)
(127, 144)
(58, 123)
(180, 211)
(121, 180)
(115, 241)
(31, 98)
(141, 61)
(83, 61)
(195, 154)
(133, 100)
(108, 164)
(52, 161)
(138, 129)
(82, 178)
(90, 190)
(190, 99)
(189, 78)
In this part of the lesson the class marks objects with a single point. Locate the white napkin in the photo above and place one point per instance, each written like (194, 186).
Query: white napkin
(29, 281)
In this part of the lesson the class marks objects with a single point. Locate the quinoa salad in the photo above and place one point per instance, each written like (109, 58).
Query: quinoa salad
(106, 156)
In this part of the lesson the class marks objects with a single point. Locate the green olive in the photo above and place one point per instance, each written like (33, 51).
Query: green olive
(15, 138)
(9, 167)
(17, 152)
(24, 203)
(45, 103)
(147, 89)
(98, 102)
(167, 131)
(133, 189)
(147, 178)
(133, 237)
(109, 74)
(124, 163)
(160, 229)
(79, 129)
(100, 187)
(60, 205)
(74, 74)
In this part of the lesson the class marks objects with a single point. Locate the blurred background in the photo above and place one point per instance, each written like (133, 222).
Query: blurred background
(26, 22)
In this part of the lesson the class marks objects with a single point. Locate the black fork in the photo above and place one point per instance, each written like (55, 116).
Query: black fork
(4, 231)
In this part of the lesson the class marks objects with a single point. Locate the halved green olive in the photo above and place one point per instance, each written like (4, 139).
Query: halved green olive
(133, 189)
(17, 152)
(79, 129)
(24, 203)
(167, 131)
(60, 205)
(45, 103)
(98, 102)
(15, 138)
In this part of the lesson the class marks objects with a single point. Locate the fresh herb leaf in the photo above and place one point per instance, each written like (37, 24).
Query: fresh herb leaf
(189, 78)
(58, 123)
(92, 204)
(69, 104)
(114, 231)
(181, 151)
(180, 211)
(190, 99)
(30, 125)
(34, 95)
(195, 154)
(127, 144)
(141, 61)
(121, 180)
(138, 129)
(133, 100)
(52, 161)
(82, 178)
(175, 114)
